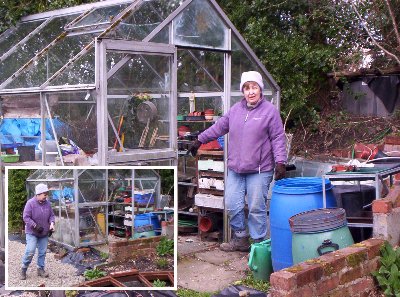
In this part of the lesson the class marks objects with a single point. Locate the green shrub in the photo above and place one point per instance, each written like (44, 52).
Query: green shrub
(159, 283)
(165, 247)
(162, 263)
(94, 274)
(388, 275)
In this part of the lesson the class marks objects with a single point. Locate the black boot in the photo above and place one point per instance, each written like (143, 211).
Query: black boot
(23, 273)
(240, 244)
(42, 273)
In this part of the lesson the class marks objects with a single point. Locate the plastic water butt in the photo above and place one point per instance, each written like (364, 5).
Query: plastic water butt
(318, 232)
(291, 196)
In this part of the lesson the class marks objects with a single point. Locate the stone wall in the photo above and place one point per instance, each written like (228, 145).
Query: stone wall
(127, 249)
(346, 272)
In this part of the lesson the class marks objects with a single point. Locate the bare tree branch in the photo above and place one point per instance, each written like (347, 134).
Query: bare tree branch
(372, 38)
(396, 30)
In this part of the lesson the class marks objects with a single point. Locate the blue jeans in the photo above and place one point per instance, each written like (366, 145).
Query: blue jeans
(255, 186)
(33, 242)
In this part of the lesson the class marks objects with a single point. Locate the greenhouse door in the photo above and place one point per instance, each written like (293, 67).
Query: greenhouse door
(137, 103)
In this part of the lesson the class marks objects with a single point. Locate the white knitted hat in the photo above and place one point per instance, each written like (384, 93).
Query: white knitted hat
(41, 188)
(251, 76)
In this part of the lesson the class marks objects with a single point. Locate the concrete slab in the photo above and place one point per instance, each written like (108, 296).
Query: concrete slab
(188, 245)
(202, 276)
(218, 257)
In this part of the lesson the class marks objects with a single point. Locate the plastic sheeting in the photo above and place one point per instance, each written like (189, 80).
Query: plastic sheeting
(17, 132)
(234, 291)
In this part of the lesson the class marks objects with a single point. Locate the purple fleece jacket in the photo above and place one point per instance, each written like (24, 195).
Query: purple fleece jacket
(256, 137)
(40, 214)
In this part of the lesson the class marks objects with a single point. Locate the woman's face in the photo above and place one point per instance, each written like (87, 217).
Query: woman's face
(252, 92)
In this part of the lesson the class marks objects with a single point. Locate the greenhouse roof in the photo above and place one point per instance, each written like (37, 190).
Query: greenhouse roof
(56, 50)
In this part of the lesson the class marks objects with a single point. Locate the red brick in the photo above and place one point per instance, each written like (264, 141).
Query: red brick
(372, 265)
(392, 139)
(283, 280)
(361, 285)
(277, 293)
(308, 274)
(339, 292)
(381, 206)
(304, 291)
(329, 284)
(333, 262)
(373, 245)
(350, 275)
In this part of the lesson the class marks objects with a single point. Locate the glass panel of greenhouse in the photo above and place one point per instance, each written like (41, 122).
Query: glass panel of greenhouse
(103, 83)
(90, 204)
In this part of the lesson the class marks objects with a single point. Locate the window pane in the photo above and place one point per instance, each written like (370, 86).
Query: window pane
(200, 25)
(16, 34)
(33, 46)
(101, 15)
(200, 71)
(145, 19)
(56, 57)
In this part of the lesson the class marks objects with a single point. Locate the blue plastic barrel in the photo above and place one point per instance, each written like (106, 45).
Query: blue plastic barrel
(291, 196)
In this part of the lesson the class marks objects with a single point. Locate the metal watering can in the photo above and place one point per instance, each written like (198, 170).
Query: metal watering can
(260, 262)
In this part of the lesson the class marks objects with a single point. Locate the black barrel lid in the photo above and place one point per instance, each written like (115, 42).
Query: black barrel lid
(318, 220)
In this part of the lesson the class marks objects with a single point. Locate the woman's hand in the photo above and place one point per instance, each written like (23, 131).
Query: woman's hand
(280, 171)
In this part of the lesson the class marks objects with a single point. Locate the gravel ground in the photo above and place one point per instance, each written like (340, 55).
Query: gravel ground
(60, 274)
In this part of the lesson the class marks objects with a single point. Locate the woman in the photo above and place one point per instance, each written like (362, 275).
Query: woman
(256, 148)
(39, 221)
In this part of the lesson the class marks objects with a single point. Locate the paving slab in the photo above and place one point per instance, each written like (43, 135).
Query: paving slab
(218, 257)
(202, 276)
(188, 245)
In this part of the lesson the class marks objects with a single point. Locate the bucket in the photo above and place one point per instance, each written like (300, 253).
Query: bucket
(146, 219)
(318, 232)
(291, 196)
(260, 260)
(26, 153)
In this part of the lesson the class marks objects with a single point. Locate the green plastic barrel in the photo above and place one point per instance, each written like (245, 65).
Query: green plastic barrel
(318, 232)
(260, 262)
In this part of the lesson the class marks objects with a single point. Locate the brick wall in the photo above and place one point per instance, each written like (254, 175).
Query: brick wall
(126, 249)
(346, 272)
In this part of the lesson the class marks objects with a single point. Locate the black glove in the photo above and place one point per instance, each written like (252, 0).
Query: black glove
(194, 147)
(280, 171)
(38, 229)
(50, 233)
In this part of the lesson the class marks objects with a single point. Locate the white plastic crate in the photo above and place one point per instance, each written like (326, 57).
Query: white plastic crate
(211, 165)
(211, 183)
(208, 200)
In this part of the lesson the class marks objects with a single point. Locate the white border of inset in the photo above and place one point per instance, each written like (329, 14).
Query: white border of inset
(175, 172)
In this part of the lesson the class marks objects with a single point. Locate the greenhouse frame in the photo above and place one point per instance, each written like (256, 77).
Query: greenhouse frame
(107, 80)
(84, 202)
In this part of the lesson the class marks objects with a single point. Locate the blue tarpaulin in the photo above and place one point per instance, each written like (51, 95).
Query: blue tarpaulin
(17, 132)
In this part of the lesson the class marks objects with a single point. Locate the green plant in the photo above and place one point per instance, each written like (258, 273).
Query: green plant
(71, 293)
(94, 273)
(388, 275)
(249, 281)
(159, 283)
(191, 293)
(162, 263)
(103, 255)
(165, 247)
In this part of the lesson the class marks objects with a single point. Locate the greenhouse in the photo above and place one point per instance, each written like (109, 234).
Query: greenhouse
(108, 82)
(90, 204)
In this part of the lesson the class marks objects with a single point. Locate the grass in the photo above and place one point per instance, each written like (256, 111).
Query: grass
(191, 293)
(250, 282)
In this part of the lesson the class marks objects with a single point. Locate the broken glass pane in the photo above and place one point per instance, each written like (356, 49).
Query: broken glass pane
(200, 71)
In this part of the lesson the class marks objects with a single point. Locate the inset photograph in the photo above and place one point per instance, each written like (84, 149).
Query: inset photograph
(74, 227)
